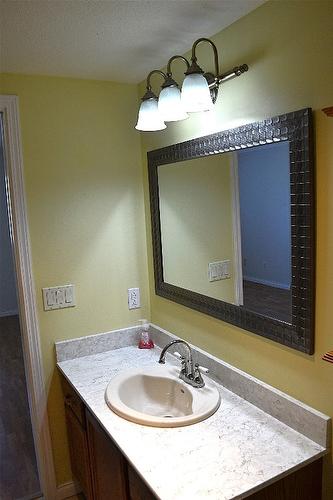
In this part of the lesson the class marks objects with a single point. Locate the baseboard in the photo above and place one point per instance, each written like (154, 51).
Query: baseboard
(36, 496)
(67, 490)
(13, 312)
(273, 284)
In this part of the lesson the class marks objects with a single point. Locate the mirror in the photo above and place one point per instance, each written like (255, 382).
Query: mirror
(225, 227)
(232, 226)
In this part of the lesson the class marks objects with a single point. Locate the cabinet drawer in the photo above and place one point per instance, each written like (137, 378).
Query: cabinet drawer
(73, 402)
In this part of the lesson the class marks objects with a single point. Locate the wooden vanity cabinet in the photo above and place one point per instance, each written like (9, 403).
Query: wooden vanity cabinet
(97, 465)
(108, 465)
(104, 474)
(137, 488)
(77, 439)
(303, 484)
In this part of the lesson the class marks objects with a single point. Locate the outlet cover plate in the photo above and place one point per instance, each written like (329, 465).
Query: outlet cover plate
(133, 295)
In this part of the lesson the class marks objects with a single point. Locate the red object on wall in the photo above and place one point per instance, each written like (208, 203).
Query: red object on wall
(328, 111)
(328, 356)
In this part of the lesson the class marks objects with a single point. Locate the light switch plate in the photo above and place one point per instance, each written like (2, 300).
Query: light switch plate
(219, 270)
(58, 297)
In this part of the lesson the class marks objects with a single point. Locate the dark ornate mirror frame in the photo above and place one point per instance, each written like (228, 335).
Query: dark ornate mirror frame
(295, 127)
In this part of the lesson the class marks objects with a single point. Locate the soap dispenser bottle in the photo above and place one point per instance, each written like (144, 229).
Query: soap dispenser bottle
(145, 341)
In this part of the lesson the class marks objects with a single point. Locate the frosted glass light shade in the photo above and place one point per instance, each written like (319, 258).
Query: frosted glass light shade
(170, 106)
(149, 118)
(196, 94)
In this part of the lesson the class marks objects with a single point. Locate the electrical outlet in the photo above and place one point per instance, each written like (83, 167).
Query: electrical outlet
(133, 298)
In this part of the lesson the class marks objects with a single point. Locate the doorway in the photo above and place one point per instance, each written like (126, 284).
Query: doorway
(26, 295)
(18, 466)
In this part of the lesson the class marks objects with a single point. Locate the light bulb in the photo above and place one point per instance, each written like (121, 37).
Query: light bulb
(170, 106)
(196, 94)
(149, 118)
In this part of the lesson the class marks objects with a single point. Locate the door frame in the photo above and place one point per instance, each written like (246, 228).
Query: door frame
(36, 387)
(236, 231)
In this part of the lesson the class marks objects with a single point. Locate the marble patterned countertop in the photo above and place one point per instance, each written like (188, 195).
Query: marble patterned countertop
(237, 451)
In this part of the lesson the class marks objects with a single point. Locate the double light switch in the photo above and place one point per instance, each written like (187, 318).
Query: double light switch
(58, 297)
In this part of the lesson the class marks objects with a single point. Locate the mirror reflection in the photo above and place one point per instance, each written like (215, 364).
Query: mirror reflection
(226, 227)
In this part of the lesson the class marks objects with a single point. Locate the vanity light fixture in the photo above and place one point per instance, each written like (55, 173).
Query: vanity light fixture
(170, 104)
(149, 117)
(199, 91)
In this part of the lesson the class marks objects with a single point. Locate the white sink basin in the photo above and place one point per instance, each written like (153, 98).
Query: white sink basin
(155, 396)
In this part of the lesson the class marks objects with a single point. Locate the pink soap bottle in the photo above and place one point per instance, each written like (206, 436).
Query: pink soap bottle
(145, 341)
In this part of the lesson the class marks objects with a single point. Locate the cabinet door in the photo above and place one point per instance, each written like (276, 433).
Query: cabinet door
(108, 465)
(78, 449)
(137, 488)
(304, 484)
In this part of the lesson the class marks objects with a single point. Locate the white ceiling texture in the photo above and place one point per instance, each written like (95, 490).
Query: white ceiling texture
(106, 39)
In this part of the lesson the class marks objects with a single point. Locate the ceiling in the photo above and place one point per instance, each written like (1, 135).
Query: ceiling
(107, 39)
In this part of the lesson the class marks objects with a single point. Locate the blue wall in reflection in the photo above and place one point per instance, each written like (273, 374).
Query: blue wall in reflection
(264, 189)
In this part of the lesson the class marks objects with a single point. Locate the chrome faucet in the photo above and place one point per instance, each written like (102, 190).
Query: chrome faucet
(189, 372)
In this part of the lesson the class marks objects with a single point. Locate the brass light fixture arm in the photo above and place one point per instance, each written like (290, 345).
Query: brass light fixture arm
(158, 71)
(228, 75)
(169, 72)
(216, 56)
(149, 93)
(236, 71)
(169, 81)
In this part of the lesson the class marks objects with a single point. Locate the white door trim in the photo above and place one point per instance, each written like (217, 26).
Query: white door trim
(236, 232)
(26, 294)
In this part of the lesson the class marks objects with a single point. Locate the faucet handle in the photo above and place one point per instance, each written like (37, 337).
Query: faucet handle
(199, 381)
(198, 370)
(182, 360)
(203, 369)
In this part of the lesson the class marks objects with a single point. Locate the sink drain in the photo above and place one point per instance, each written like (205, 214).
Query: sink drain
(167, 416)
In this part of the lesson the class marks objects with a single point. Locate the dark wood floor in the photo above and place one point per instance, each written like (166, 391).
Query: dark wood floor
(18, 469)
(267, 300)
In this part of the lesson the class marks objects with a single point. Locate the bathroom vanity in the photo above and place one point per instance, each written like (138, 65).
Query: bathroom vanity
(260, 444)
(98, 465)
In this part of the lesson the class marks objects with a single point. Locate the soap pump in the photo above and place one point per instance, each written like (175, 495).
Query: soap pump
(145, 341)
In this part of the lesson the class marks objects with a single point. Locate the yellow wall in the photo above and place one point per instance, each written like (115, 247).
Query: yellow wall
(82, 163)
(83, 179)
(288, 46)
(196, 223)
